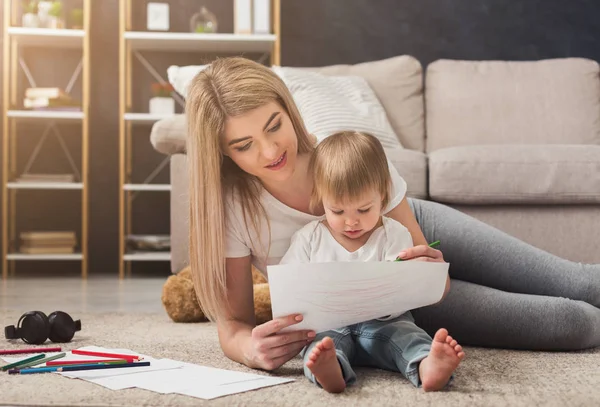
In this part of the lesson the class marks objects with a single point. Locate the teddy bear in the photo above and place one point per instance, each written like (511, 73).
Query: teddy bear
(179, 298)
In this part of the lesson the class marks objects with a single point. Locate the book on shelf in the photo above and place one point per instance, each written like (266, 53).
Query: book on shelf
(29, 177)
(49, 99)
(50, 242)
(48, 236)
(48, 93)
(46, 250)
(141, 243)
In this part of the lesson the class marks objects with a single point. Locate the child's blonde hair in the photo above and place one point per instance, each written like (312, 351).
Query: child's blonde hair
(347, 164)
(228, 87)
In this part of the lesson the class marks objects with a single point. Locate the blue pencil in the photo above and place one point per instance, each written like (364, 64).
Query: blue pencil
(79, 367)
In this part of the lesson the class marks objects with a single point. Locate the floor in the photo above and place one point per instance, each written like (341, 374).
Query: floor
(75, 295)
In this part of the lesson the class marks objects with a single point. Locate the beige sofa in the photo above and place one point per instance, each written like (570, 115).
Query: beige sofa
(515, 144)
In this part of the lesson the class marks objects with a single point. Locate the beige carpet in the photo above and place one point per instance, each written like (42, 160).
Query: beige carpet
(486, 378)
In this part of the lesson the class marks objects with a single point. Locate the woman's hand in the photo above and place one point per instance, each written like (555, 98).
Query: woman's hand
(422, 253)
(271, 348)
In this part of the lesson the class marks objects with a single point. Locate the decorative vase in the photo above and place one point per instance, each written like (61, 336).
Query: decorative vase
(30, 20)
(44, 12)
(162, 106)
(203, 22)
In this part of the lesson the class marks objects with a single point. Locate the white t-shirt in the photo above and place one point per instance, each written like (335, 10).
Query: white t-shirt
(284, 221)
(314, 243)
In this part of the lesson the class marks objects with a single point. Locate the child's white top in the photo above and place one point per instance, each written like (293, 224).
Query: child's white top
(284, 222)
(314, 243)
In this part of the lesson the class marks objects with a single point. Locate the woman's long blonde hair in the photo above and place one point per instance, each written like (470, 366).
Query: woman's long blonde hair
(228, 87)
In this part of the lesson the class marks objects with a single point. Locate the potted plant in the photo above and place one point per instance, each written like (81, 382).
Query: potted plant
(161, 102)
(77, 19)
(30, 18)
(55, 19)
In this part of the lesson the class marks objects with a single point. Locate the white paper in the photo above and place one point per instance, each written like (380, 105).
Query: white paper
(334, 295)
(208, 393)
(167, 376)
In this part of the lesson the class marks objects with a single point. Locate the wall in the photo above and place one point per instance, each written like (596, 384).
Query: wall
(314, 33)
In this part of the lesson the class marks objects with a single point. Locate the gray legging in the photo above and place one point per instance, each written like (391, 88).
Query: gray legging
(506, 293)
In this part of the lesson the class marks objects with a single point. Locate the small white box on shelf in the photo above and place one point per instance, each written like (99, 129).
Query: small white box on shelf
(162, 105)
(242, 16)
(262, 16)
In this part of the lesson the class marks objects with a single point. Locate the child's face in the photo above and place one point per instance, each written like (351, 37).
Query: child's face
(353, 219)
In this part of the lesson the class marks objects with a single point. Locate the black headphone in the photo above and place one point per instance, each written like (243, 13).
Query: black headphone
(35, 327)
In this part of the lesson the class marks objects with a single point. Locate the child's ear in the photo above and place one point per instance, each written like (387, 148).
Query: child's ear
(313, 139)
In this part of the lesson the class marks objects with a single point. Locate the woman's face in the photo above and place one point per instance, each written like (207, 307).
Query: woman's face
(262, 142)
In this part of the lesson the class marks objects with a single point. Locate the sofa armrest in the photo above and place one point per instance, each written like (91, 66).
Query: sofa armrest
(168, 136)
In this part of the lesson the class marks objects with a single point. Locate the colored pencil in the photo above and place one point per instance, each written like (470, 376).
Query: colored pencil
(129, 358)
(79, 367)
(16, 370)
(45, 360)
(84, 362)
(23, 362)
(30, 350)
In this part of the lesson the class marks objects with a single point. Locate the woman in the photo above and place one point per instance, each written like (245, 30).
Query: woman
(248, 153)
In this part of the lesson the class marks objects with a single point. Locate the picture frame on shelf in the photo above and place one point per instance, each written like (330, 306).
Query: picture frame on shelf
(157, 17)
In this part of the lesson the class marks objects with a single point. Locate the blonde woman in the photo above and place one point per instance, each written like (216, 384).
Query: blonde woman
(248, 153)
(351, 182)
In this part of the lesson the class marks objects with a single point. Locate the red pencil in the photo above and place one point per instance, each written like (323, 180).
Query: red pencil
(30, 350)
(83, 362)
(128, 358)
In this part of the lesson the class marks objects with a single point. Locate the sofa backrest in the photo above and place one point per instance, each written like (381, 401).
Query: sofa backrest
(398, 84)
(553, 101)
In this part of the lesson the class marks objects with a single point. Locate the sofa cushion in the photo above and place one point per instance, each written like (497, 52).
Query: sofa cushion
(168, 136)
(397, 82)
(524, 174)
(329, 104)
(494, 102)
(412, 166)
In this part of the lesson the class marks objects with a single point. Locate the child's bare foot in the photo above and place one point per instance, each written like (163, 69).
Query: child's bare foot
(323, 363)
(445, 355)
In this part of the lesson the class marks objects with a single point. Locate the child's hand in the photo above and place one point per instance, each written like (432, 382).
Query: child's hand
(271, 349)
(422, 253)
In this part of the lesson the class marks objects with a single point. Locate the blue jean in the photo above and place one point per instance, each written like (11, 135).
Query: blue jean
(397, 345)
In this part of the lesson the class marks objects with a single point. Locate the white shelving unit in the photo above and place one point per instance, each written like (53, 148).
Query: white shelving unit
(139, 118)
(23, 115)
(147, 187)
(191, 42)
(148, 256)
(21, 256)
(46, 37)
(132, 44)
(44, 185)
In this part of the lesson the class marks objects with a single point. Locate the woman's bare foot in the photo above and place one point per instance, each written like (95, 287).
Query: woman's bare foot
(323, 363)
(445, 355)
